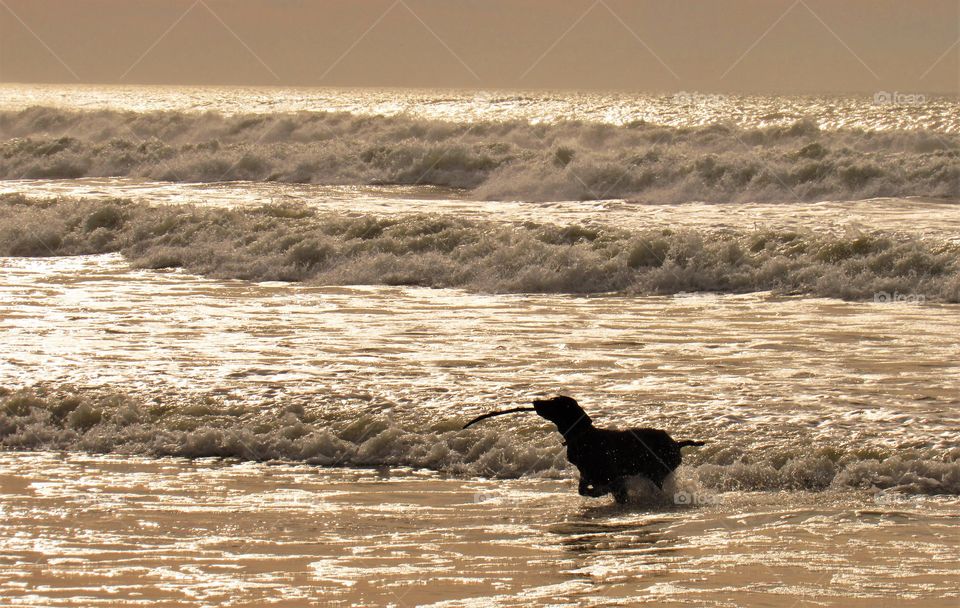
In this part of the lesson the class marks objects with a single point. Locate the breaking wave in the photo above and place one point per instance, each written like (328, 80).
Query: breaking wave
(496, 160)
(297, 243)
(101, 421)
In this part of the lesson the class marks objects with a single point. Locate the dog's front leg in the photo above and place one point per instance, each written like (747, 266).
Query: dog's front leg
(591, 489)
(619, 490)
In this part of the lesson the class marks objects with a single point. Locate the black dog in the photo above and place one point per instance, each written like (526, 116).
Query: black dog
(604, 457)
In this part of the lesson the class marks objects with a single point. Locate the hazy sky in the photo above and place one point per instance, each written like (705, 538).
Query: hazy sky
(663, 45)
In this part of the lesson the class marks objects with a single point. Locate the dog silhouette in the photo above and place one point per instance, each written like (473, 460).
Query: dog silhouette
(606, 458)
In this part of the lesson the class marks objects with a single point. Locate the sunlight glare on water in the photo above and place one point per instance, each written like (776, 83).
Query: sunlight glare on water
(299, 535)
(718, 363)
(686, 108)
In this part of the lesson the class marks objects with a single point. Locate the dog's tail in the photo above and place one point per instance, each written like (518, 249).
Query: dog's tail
(687, 442)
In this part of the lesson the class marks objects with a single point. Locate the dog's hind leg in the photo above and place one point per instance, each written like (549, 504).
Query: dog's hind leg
(658, 479)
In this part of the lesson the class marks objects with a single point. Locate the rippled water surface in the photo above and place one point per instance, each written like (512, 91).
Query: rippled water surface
(88, 531)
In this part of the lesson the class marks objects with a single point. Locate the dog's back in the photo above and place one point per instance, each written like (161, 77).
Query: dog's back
(604, 456)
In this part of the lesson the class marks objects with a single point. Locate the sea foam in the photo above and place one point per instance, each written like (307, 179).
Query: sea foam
(102, 421)
(298, 243)
(495, 159)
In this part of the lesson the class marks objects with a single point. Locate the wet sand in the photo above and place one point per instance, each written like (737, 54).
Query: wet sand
(80, 530)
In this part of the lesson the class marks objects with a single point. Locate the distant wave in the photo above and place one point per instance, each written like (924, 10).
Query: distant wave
(110, 422)
(497, 160)
(297, 243)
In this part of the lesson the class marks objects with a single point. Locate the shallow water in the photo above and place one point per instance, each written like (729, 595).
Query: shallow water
(79, 530)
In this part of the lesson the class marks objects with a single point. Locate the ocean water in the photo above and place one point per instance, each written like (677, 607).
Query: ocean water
(885, 111)
(179, 426)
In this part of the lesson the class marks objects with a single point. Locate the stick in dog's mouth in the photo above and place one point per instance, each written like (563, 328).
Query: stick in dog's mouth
(492, 414)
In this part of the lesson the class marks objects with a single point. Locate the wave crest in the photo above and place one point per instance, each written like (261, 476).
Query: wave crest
(511, 159)
(110, 422)
(297, 243)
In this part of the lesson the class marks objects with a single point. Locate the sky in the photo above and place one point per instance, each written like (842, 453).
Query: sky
(749, 46)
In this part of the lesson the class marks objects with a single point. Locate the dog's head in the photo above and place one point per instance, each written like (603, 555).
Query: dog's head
(564, 412)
